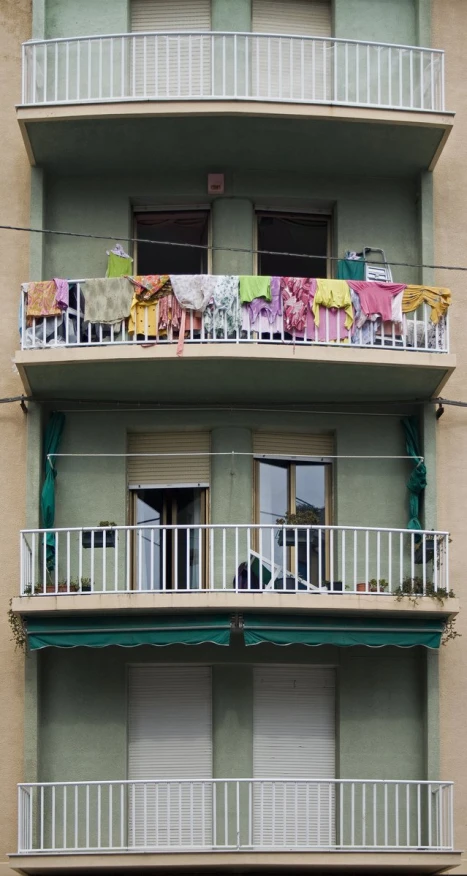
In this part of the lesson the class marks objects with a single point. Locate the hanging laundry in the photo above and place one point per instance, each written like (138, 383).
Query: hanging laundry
(331, 326)
(62, 294)
(170, 315)
(262, 316)
(333, 293)
(351, 268)
(193, 291)
(143, 318)
(295, 292)
(107, 301)
(42, 299)
(437, 297)
(254, 287)
(119, 263)
(376, 298)
(222, 317)
(151, 287)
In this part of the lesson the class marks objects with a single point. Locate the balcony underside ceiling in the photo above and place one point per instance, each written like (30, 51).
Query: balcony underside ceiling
(233, 374)
(272, 140)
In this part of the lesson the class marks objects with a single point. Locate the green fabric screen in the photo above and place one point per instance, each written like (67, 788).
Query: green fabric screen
(416, 483)
(342, 631)
(52, 437)
(97, 631)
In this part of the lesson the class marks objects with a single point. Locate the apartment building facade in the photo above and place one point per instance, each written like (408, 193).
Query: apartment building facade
(232, 635)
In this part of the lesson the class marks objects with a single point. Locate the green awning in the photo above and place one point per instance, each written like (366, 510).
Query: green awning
(342, 631)
(97, 631)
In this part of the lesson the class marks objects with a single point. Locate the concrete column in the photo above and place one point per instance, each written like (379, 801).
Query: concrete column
(232, 226)
(31, 717)
(38, 20)
(233, 15)
(34, 465)
(423, 22)
(428, 430)
(432, 715)
(37, 215)
(231, 476)
(425, 224)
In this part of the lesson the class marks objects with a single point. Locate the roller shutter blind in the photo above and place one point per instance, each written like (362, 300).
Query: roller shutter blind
(171, 67)
(170, 737)
(293, 444)
(294, 737)
(292, 69)
(160, 471)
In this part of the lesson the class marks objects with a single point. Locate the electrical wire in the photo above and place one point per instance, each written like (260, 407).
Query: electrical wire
(212, 248)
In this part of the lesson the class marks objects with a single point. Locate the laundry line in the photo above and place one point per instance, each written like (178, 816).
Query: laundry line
(230, 453)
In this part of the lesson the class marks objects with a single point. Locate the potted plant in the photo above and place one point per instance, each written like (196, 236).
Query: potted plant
(95, 538)
(373, 586)
(306, 515)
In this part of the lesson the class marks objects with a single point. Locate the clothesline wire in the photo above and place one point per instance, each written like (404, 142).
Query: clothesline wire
(230, 453)
(211, 248)
(149, 406)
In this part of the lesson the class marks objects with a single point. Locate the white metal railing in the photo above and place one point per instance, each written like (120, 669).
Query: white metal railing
(232, 66)
(226, 557)
(215, 326)
(235, 814)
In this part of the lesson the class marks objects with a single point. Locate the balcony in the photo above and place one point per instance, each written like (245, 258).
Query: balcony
(65, 356)
(331, 82)
(314, 568)
(407, 824)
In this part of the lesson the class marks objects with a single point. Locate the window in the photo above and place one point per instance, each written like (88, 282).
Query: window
(293, 233)
(287, 488)
(180, 226)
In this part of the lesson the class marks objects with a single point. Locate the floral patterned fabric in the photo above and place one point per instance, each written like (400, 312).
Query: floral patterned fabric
(295, 293)
(151, 287)
(222, 317)
(42, 300)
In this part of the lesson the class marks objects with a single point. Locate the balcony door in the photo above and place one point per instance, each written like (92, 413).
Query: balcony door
(169, 738)
(294, 738)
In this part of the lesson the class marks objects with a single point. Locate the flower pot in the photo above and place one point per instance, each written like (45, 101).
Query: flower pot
(98, 540)
(362, 587)
(334, 586)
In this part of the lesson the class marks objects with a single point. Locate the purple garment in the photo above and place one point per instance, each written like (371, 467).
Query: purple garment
(271, 308)
(62, 298)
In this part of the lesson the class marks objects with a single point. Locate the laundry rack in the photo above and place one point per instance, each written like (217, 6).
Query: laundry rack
(379, 270)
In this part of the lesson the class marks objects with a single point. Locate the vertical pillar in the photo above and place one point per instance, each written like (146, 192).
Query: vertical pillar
(31, 718)
(232, 226)
(428, 429)
(37, 216)
(231, 476)
(423, 22)
(231, 15)
(432, 728)
(425, 224)
(34, 465)
(38, 20)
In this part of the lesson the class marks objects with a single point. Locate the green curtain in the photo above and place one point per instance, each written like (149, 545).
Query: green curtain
(417, 480)
(52, 438)
(99, 631)
(342, 632)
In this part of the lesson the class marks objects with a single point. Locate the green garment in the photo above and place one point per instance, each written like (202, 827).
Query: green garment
(254, 287)
(118, 266)
(351, 269)
(417, 480)
(52, 437)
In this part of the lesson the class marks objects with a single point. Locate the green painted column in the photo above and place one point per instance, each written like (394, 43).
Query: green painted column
(428, 429)
(231, 503)
(426, 227)
(38, 19)
(34, 465)
(31, 717)
(37, 216)
(231, 15)
(423, 22)
(232, 226)
(432, 728)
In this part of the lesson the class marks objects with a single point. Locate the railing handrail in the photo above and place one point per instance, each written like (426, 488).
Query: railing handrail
(272, 526)
(221, 33)
(427, 782)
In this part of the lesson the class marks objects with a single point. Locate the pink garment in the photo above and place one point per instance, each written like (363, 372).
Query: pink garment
(296, 292)
(331, 325)
(376, 298)
(62, 293)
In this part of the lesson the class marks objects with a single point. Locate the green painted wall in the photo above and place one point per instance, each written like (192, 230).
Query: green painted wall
(380, 708)
(383, 21)
(367, 212)
(231, 15)
(88, 17)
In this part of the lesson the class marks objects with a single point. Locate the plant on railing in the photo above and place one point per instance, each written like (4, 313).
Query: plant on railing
(75, 586)
(306, 515)
(18, 629)
(414, 588)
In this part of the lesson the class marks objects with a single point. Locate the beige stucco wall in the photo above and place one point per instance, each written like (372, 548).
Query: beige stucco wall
(14, 258)
(449, 30)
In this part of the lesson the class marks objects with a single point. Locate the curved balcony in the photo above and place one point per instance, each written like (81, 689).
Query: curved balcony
(232, 66)
(294, 79)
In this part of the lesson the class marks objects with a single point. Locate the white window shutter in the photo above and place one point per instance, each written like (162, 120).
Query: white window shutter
(170, 737)
(292, 69)
(294, 738)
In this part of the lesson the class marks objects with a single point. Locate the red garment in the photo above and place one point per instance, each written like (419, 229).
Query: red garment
(376, 298)
(295, 292)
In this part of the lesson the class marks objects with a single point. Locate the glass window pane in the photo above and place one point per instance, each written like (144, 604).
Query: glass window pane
(149, 509)
(311, 489)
